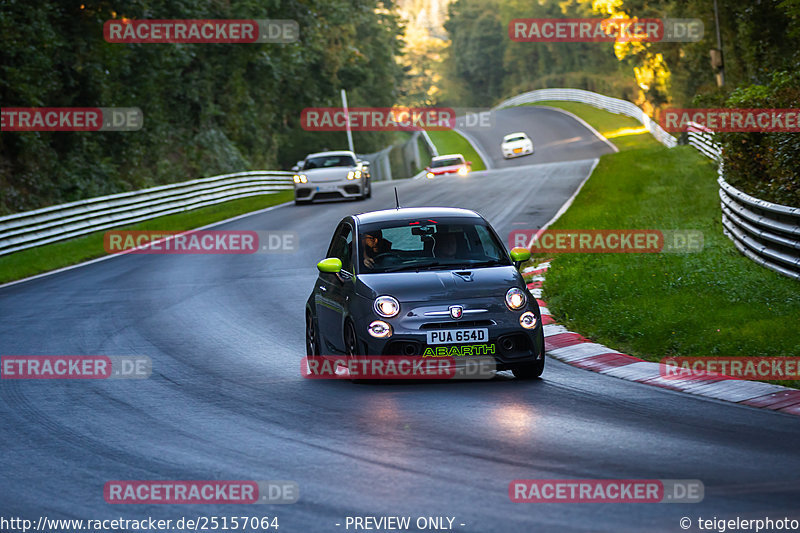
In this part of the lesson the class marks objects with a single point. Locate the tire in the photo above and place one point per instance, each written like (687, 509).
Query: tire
(312, 337)
(369, 191)
(351, 345)
(529, 371)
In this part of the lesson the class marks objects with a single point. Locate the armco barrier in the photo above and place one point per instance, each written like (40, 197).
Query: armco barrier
(767, 233)
(55, 223)
(615, 105)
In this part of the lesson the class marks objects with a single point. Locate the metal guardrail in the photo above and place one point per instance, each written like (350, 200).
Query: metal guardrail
(59, 222)
(766, 233)
(614, 105)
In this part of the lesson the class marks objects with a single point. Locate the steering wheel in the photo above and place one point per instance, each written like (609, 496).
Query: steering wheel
(385, 255)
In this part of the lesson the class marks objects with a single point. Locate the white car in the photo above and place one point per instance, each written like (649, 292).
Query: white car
(516, 145)
(329, 175)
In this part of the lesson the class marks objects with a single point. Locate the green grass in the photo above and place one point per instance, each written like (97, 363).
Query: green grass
(624, 132)
(712, 303)
(34, 261)
(451, 142)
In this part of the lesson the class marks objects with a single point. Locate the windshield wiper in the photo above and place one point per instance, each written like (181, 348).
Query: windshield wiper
(489, 263)
(414, 266)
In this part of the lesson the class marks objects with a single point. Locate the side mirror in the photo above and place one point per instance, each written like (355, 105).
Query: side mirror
(469, 163)
(519, 255)
(295, 168)
(332, 265)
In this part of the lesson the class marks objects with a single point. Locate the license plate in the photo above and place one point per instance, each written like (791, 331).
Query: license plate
(326, 188)
(458, 336)
(517, 150)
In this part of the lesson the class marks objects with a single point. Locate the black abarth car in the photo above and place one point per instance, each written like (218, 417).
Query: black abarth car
(424, 282)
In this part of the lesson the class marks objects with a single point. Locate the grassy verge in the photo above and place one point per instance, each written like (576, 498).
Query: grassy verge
(624, 132)
(450, 142)
(34, 261)
(711, 303)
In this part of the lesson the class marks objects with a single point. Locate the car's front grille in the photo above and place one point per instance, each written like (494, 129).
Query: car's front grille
(327, 195)
(458, 324)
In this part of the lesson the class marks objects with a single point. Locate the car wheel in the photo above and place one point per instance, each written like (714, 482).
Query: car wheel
(529, 371)
(312, 337)
(369, 191)
(351, 345)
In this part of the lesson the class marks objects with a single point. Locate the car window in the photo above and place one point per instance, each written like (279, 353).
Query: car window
(432, 244)
(329, 161)
(447, 162)
(517, 138)
(342, 246)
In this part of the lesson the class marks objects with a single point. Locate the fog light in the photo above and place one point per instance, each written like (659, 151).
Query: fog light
(527, 320)
(380, 329)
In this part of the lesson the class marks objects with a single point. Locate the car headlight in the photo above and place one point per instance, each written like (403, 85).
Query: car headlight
(527, 320)
(515, 299)
(354, 174)
(463, 171)
(380, 329)
(429, 175)
(300, 178)
(386, 306)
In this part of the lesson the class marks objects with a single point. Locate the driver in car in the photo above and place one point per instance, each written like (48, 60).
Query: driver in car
(445, 245)
(374, 245)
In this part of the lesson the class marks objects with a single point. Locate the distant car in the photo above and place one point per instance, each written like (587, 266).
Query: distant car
(516, 145)
(448, 164)
(329, 175)
(409, 281)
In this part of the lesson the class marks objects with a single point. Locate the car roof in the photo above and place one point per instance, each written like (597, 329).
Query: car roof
(449, 156)
(517, 134)
(403, 213)
(335, 152)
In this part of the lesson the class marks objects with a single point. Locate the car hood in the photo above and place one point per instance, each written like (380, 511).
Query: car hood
(433, 285)
(327, 174)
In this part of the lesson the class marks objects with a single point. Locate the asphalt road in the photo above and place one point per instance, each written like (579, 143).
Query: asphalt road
(226, 399)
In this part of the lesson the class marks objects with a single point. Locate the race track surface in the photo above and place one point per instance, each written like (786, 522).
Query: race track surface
(226, 399)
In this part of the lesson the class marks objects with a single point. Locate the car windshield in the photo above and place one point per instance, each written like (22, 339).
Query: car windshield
(328, 161)
(429, 244)
(515, 138)
(447, 162)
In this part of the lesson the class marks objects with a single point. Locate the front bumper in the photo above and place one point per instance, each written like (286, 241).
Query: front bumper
(509, 153)
(329, 189)
(510, 344)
